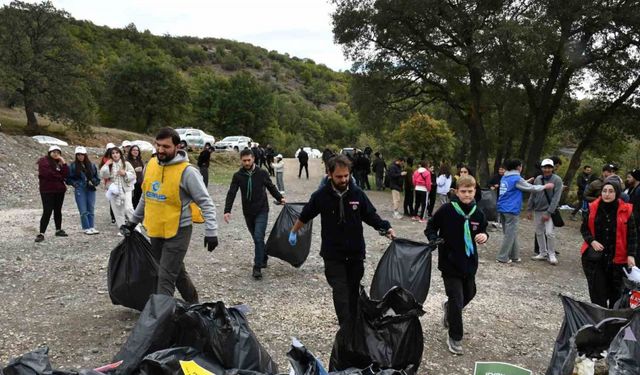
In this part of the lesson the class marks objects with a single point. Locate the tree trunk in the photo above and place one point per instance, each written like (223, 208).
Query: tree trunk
(479, 142)
(32, 120)
(524, 142)
(576, 158)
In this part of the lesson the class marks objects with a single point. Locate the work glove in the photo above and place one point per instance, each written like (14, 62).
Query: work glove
(128, 228)
(210, 243)
(293, 238)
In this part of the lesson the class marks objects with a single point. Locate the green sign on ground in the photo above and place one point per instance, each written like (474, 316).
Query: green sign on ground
(499, 368)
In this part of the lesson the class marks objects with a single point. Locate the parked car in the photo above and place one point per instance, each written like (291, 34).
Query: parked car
(47, 140)
(313, 153)
(349, 151)
(235, 143)
(195, 138)
(144, 145)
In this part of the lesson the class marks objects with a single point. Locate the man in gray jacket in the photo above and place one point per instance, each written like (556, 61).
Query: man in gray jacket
(540, 207)
(174, 197)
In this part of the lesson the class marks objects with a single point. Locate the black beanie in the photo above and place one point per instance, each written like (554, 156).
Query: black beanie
(635, 174)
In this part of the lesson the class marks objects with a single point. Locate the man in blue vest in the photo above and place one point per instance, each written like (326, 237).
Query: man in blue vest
(509, 206)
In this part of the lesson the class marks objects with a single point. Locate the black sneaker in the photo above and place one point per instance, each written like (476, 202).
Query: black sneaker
(40, 238)
(256, 273)
(61, 233)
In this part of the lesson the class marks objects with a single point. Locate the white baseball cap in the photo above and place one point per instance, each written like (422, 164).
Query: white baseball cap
(109, 146)
(54, 148)
(279, 156)
(547, 162)
(126, 143)
(81, 150)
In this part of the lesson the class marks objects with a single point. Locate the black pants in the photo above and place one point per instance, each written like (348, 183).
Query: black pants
(408, 203)
(380, 181)
(604, 281)
(460, 291)
(432, 200)
(344, 278)
(204, 171)
(306, 169)
(137, 193)
(367, 185)
(172, 274)
(361, 178)
(421, 203)
(51, 203)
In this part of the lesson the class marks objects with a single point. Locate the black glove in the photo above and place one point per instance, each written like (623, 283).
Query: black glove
(127, 228)
(210, 243)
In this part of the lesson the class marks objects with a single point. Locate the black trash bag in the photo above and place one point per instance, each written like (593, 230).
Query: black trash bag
(223, 334)
(624, 352)
(371, 370)
(406, 264)
(37, 363)
(155, 330)
(385, 334)
(133, 272)
(592, 340)
(278, 243)
(33, 363)
(630, 297)
(167, 362)
(577, 314)
(488, 204)
(303, 362)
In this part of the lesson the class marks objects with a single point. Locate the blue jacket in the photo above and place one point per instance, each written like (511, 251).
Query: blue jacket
(510, 200)
(80, 181)
(342, 231)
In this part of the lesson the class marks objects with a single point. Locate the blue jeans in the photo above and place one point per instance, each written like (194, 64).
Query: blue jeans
(257, 225)
(86, 201)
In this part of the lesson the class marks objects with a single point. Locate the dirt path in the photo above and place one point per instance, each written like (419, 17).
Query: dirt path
(54, 293)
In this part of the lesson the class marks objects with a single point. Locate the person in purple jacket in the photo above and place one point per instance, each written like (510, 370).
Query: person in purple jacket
(52, 173)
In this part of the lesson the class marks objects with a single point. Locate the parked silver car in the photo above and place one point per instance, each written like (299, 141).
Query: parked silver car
(233, 143)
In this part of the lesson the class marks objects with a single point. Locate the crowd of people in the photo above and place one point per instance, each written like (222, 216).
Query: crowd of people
(167, 195)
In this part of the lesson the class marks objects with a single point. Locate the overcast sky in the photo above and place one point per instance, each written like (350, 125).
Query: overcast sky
(301, 28)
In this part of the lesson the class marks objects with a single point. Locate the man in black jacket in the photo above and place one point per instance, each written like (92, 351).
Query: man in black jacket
(253, 183)
(203, 163)
(583, 180)
(303, 158)
(396, 175)
(342, 208)
(462, 226)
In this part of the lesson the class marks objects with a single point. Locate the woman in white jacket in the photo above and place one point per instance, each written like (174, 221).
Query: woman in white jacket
(278, 167)
(120, 181)
(444, 183)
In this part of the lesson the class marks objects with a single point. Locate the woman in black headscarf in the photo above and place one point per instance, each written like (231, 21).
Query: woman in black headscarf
(610, 243)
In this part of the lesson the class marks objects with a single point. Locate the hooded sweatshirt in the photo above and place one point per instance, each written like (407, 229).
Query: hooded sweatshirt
(422, 179)
(540, 202)
(192, 189)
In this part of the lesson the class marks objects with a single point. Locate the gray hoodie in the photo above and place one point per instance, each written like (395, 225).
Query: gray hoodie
(539, 202)
(192, 189)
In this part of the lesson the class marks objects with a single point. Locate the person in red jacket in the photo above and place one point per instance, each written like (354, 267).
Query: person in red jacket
(52, 172)
(610, 243)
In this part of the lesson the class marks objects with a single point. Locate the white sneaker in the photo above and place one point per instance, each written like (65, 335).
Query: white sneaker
(88, 231)
(94, 231)
(397, 215)
(539, 257)
(119, 234)
(553, 260)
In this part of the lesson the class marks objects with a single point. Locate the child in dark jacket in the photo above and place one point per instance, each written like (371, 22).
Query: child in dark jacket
(462, 226)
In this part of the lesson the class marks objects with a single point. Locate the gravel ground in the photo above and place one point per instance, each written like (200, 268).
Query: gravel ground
(55, 292)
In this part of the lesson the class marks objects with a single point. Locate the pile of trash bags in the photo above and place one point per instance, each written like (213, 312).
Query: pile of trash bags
(173, 338)
(590, 333)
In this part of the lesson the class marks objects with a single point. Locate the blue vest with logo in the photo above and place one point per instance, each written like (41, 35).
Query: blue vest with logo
(510, 200)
